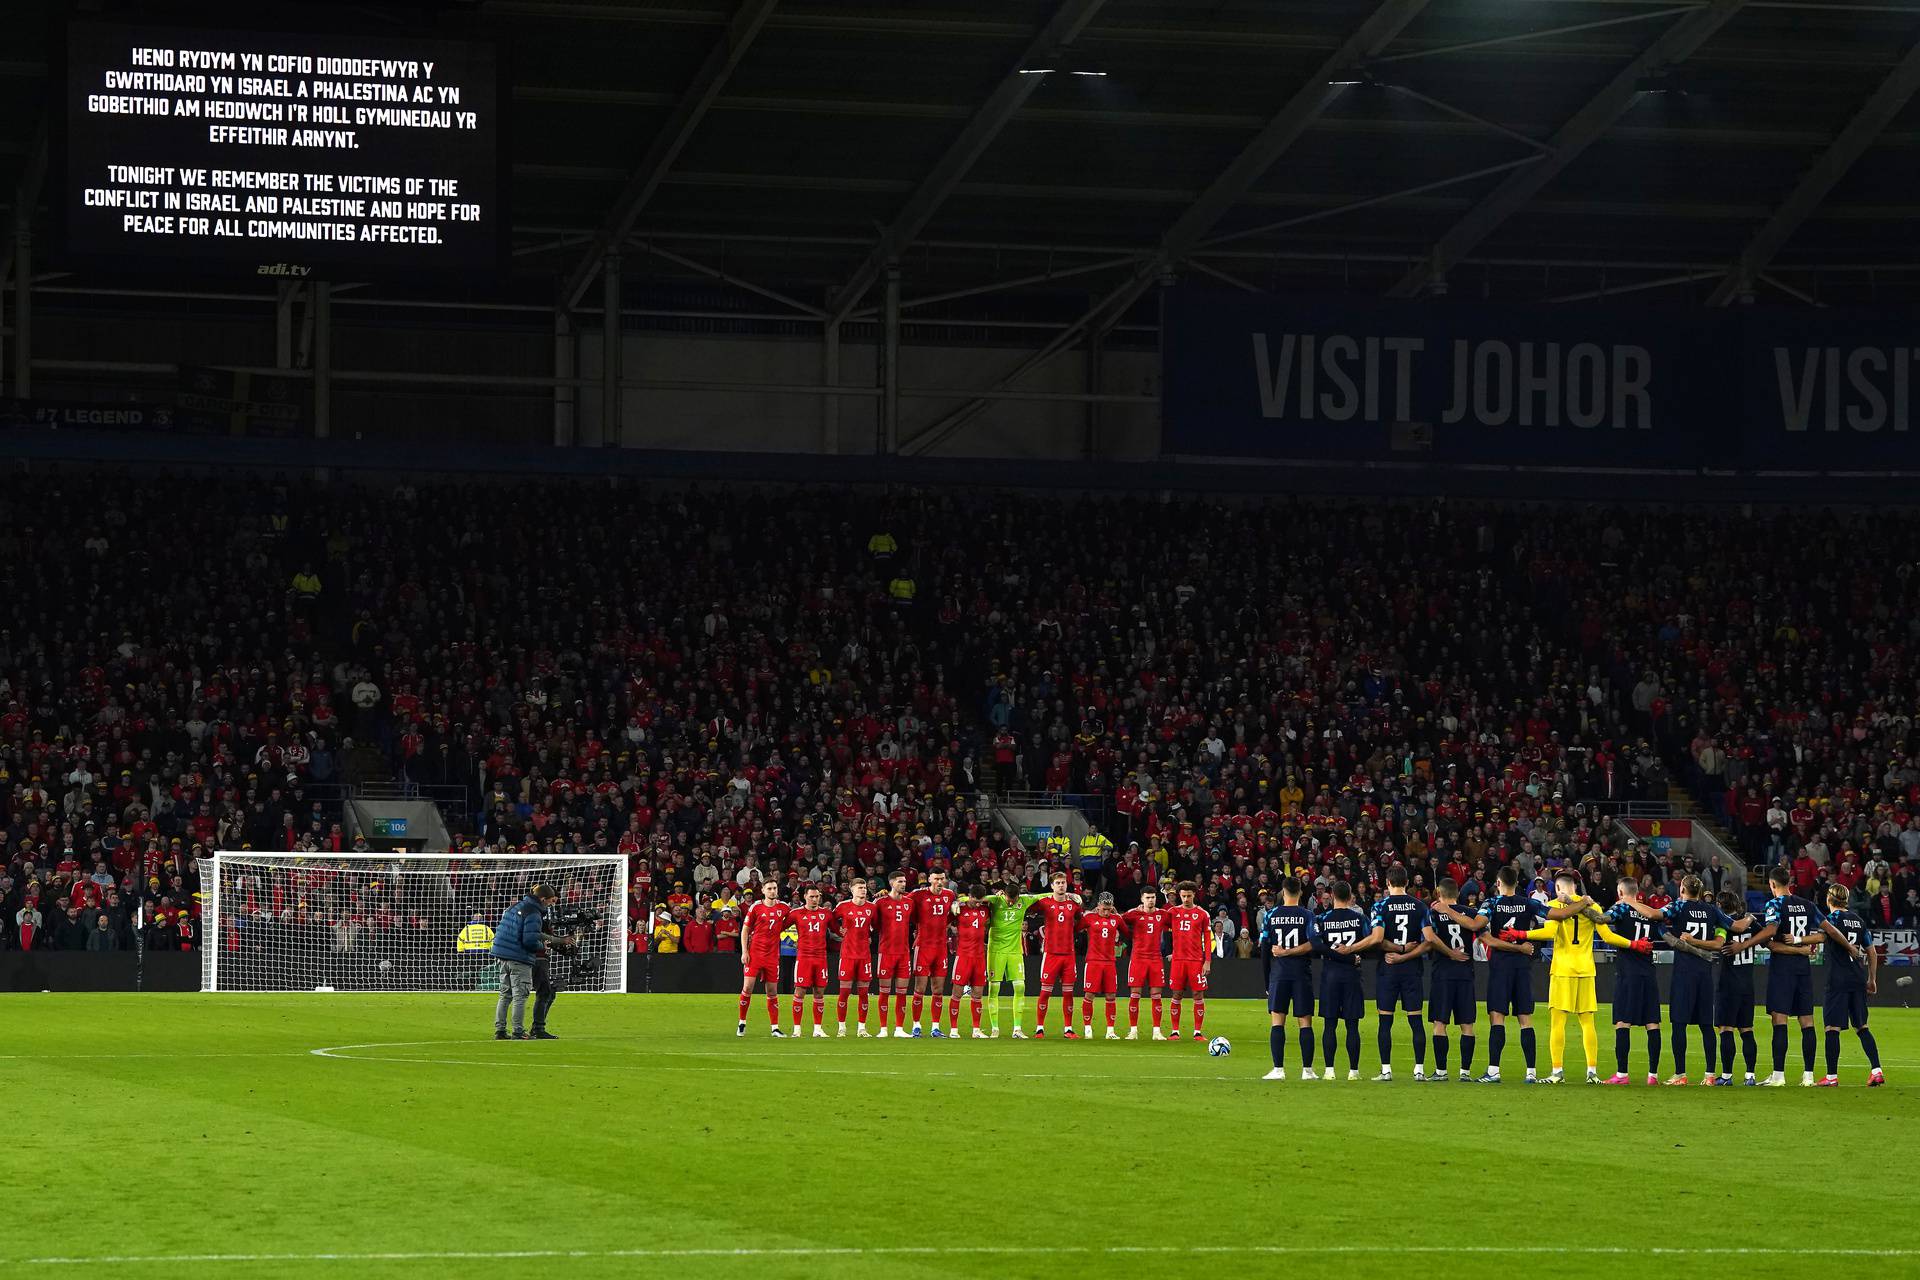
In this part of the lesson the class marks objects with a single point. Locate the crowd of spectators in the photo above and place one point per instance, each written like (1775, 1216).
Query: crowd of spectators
(724, 684)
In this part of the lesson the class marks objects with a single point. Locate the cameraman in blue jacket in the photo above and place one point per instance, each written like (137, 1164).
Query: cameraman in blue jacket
(517, 944)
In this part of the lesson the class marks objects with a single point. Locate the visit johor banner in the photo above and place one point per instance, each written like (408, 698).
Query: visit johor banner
(1360, 380)
(1829, 390)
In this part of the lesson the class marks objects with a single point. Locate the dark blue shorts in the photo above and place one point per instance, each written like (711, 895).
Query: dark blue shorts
(1452, 999)
(1636, 998)
(1691, 1003)
(1398, 986)
(1789, 992)
(1340, 996)
(1846, 1007)
(1733, 1000)
(1290, 995)
(1509, 988)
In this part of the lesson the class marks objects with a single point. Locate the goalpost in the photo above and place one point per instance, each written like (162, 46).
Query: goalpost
(400, 922)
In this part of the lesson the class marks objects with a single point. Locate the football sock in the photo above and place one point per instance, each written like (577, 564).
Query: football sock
(1557, 1038)
(1277, 1045)
(1496, 1043)
(1353, 1044)
(1466, 1053)
(974, 1005)
(1133, 1012)
(1306, 1047)
(1873, 1050)
(953, 1013)
(1726, 1052)
(1329, 1041)
(1176, 1017)
(1590, 1039)
(918, 1007)
(1707, 1046)
(1086, 1011)
(1780, 1047)
(796, 1012)
(993, 1007)
(900, 1010)
(1156, 1013)
(1528, 1046)
(1040, 1012)
(744, 1001)
(863, 1008)
(1807, 1043)
(773, 1011)
(1440, 1044)
(840, 1009)
(1621, 1041)
(884, 1003)
(819, 1010)
(1112, 1010)
(1750, 1049)
(1653, 1050)
(1199, 1014)
(1833, 1051)
(1419, 1029)
(1386, 1041)
(1679, 1048)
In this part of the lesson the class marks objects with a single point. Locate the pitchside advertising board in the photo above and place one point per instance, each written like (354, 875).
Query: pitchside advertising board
(220, 153)
(1366, 380)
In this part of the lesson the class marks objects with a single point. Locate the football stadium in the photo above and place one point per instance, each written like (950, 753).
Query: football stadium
(959, 638)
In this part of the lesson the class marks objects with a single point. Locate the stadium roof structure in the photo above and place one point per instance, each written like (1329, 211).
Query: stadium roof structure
(1046, 162)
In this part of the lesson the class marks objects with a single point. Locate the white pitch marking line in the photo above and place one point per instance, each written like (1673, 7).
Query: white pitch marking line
(113, 1057)
(909, 1251)
(338, 1053)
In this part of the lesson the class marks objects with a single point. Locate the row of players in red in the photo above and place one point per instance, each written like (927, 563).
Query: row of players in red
(982, 934)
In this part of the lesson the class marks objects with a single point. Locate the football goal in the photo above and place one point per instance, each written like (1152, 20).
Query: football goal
(398, 922)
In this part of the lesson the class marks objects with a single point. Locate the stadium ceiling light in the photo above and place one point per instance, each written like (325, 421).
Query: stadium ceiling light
(1354, 75)
(1036, 71)
(1663, 81)
(1072, 71)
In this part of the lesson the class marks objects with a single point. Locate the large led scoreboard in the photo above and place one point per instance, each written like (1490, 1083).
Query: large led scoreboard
(336, 156)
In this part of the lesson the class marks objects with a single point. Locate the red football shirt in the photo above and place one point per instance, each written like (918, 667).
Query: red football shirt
(1191, 928)
(810, 923)
(896, 917)
(1102, 932)
(765, 920)
(972, 918)
(1144, 928)
(856, 926)
(1056, 933)
(931, 911)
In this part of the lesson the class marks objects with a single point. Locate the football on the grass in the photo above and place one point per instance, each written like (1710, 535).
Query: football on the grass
(1219, 1047)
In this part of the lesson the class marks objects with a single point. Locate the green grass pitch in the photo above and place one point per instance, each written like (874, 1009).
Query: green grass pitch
(196, 1135)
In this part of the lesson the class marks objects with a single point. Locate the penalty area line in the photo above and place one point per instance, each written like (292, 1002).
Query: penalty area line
(915, 1251)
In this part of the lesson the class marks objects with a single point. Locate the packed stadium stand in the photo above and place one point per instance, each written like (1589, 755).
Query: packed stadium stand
(729, 682)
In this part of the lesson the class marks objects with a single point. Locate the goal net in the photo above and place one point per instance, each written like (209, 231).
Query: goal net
(396, 922)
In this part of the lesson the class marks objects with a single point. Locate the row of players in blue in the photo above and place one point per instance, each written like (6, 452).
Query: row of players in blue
(1706, 937)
